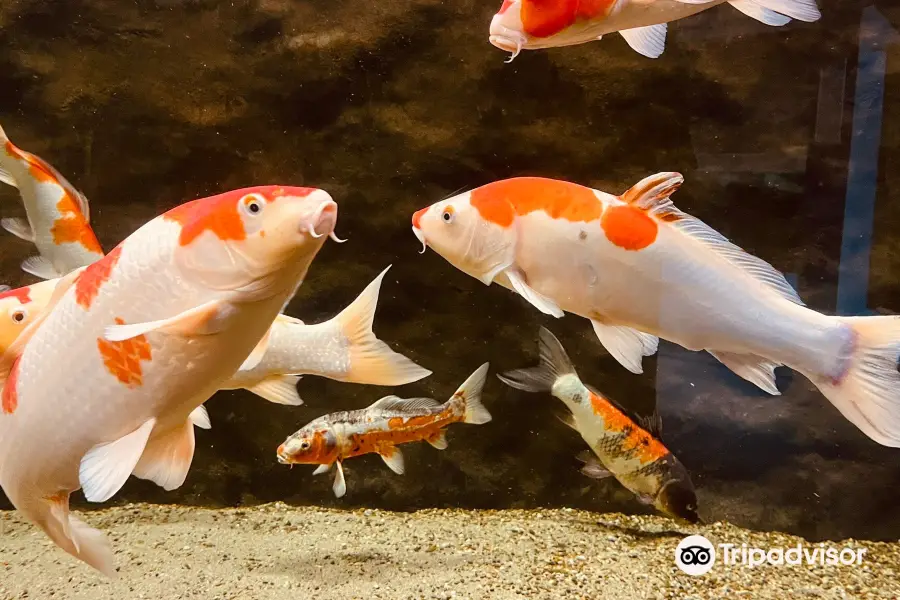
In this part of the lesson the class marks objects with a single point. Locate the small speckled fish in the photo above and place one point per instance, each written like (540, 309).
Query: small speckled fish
(343, 348)
(381, 427)
(532, 24)
(58, 217)
(629, 451)
(107, 382)
(641, 269)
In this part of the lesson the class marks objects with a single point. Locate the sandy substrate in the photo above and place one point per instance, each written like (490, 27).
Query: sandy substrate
(277, 551)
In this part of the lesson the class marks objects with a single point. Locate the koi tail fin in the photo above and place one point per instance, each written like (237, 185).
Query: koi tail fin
(470, 393)
(371, 360)
(867, 390)
(69, 533)
(778, 12)
(554, 364)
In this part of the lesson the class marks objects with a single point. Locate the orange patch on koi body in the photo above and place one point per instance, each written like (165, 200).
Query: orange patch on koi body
(629, 227)
(502, 201)
(10, 399)
(544, 18)
(88, 283)
(644, 446)
(71, 226)
(123, 359)
(22, 294)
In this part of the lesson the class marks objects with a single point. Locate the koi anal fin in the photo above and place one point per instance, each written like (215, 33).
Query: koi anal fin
(755, 369)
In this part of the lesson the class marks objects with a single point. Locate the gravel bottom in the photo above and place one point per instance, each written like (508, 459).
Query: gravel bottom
(279, 551)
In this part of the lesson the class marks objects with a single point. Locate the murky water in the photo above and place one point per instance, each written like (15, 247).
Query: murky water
(789, 141)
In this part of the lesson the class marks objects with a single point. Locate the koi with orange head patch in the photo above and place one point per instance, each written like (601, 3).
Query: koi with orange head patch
(628, 447)
(532, 24)
(128, 349)
(21, 306)
(381, 427)
(58, 218)
(640, 269)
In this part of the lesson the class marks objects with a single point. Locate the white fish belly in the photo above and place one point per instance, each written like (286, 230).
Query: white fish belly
(679, 290)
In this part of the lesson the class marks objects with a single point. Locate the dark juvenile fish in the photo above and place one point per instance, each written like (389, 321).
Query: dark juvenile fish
(383, 426)
(627, 447)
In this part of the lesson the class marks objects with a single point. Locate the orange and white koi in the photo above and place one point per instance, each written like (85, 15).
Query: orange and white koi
(343, 348)
(532, 24)
(58, 217)
(381, 427)
(108, 381)
(639, 268)
(628, 448)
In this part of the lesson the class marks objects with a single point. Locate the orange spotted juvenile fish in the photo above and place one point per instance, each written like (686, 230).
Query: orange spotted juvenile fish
(381, 427)
(107, 381)
(640, 270)
(631, 452)
(58, 220)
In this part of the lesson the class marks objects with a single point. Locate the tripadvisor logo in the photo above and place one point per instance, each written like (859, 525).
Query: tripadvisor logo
(696, 555)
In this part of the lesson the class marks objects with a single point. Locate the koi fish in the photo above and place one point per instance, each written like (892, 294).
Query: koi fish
(381, 427)
(641, 269)
(58, 216)
(343, 348)
(105, 383)
(628, 448)
(532, 24)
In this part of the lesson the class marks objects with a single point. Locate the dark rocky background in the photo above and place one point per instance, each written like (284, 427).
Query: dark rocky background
(393, 105)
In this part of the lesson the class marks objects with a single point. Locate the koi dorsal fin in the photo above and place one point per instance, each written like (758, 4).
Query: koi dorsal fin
(405, 406)
(652, 194)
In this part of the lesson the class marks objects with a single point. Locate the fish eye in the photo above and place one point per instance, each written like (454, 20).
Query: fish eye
(253, 204)
(19, 315)
(447, 216)
(304, 445)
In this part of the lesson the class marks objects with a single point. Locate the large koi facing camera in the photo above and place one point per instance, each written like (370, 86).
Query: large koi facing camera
(108, 381)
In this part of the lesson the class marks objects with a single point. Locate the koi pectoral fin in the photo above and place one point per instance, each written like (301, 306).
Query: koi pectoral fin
(20, 228)
(322, 469)
(205, 319)
(627, 345)
(106, 467)
(592, 467)
(536, 299)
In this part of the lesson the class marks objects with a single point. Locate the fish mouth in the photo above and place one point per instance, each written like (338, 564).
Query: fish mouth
(421, 237)
(507, 39)
(323, 221)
